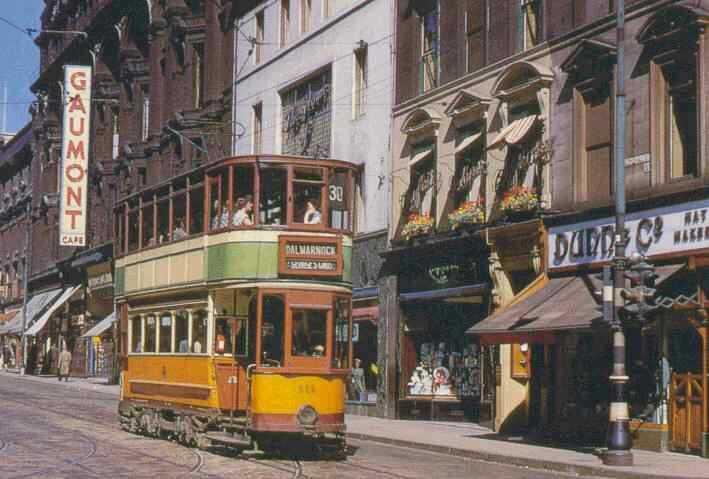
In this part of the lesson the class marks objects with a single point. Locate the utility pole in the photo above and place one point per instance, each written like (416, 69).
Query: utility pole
(619, 442)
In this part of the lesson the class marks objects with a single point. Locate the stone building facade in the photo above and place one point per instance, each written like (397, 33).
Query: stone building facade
(502, 131)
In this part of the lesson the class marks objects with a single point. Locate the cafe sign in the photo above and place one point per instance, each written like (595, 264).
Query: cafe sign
(309, 256)
(661, 231)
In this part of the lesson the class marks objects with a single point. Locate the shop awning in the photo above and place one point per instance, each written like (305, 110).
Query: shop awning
(515, 132)
(100, 327)
(39, 324)
(367, 313)
(10, 321)
(369, 292)
(446, 294)
(468, 142)
(4, 317)
(35, 306)
(564, 303)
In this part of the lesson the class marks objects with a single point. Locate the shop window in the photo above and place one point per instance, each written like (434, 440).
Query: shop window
(243, 199)
(136, 334)
(681, 121)
(196, 215)
(475, 19)
(341, 356)
(307, 193)
(150, 333)
(165, 333)
(179, 215)
(199, 332)
(272, 330)
(339, 201)
(309, 332)
(429, 50)
(422, 188)
(528, 24)
(272, 207)
(182, 340)
(148, 226)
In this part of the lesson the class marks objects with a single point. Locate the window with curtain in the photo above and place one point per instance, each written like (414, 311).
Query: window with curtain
(528, 22)
(429, 50)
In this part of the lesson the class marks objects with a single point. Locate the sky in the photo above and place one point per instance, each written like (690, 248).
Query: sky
(19, 59)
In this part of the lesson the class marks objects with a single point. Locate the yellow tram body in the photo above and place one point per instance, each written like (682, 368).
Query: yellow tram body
(236, 331)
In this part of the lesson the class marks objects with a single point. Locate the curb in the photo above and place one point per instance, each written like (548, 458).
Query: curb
(579, 470)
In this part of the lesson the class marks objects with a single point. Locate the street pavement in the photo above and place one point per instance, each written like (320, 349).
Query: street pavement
(58, 430)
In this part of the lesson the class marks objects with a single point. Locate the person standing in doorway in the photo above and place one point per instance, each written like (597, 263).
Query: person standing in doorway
(64, 365)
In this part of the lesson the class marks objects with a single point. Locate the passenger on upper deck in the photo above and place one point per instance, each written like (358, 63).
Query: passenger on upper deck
(180, 231)
(244, 207)
(312, 214)
(220, 220)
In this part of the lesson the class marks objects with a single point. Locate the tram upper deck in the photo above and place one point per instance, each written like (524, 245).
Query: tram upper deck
(238, 220)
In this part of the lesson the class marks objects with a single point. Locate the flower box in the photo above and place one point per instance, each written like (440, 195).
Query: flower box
(520, 203)
(417, 225)
(469, 213)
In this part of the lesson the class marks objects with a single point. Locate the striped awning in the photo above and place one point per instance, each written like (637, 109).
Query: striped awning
(100, 327)
(421, 156)
(515, 132)
(468, 142)
(39, 324)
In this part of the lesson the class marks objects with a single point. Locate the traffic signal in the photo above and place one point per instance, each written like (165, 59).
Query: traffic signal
(640, 296)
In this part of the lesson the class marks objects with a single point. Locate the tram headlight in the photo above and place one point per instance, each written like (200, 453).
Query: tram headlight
(307, 415)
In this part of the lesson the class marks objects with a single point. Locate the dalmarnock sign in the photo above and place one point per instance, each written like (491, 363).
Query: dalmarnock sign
(672, 229)
(309, 256)
(75, 159)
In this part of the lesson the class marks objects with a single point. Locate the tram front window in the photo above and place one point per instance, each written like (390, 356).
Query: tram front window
(272, 205)
(150, 332)
(309, 332)
(272, 330)
(199, 331)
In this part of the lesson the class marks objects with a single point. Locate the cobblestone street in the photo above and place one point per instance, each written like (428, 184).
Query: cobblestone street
(54, 431)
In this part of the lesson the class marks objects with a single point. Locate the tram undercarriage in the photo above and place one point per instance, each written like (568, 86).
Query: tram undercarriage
(211, 429)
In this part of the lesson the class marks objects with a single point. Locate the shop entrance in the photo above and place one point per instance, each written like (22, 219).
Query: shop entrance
(686, 389)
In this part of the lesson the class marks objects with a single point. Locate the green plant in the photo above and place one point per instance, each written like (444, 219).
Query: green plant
(470, 212)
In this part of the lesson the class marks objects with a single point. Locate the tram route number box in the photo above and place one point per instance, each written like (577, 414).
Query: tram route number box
(309, 256)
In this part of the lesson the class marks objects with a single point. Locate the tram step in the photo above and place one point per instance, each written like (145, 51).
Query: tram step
(228, 439)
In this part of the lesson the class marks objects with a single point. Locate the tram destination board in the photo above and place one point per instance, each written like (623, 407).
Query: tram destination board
(309, 256)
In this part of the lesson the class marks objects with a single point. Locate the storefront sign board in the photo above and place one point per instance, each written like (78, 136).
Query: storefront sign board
(309, 256)
(75, 159)
(672, 229)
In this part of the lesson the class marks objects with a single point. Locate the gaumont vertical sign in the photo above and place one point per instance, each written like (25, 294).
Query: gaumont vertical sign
(75, 159)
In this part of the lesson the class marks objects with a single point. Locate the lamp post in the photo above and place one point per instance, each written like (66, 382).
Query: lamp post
(619, 441)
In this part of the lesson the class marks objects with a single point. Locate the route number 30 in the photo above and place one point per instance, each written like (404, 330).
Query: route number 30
(337, 193)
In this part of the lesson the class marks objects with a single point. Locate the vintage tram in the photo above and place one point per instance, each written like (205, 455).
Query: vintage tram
(233, 292)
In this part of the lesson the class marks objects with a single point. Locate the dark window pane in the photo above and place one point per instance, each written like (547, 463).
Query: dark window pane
(165, 333)
(273, 196)
(309, 333)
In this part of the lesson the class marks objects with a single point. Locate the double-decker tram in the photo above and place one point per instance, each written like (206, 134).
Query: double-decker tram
(233, 291)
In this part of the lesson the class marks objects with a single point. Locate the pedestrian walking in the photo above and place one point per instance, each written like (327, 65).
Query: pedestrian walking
(64, 365)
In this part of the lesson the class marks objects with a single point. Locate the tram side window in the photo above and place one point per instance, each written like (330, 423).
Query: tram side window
(163, 220)
(148, 230)
(341, 356)
(272, 329)
(136, 324)
(243, 200)
(196, 211)
(199, 331)
(272, 206)
(307, 193)
(165, 333)
(309, 332)
(338, 201)
(133, 224)
(150, 332)
(182, 341)
(179, 206)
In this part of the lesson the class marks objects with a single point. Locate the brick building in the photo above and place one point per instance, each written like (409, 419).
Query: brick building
(15, 199)
(503, 144)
